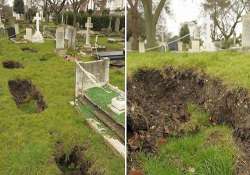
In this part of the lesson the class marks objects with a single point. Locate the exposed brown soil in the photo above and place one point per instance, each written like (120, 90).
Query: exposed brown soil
(12, 64)
(24, 91)
(75, 162)
(157, 107)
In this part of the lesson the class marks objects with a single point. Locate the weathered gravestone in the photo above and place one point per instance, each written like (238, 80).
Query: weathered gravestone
(117, 24)
(28, 35)
(195, 46)
(180, 46)
(88, 26)
(70, 37)
(246, 31)
(60, 38)
(141, 47)
(16, 26)
(1, 23)
(11, 33)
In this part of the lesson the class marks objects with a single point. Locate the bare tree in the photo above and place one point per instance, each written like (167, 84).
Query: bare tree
(55, 6)
(76, 4)
(226, 15)
(134, 21)
(152, 15)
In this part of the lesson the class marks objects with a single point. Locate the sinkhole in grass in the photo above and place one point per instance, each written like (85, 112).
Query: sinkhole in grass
(12, 64)
(27, 97)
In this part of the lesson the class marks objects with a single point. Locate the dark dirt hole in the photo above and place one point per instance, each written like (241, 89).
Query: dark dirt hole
(12, 64)
(75, 162)
(28, 49)
(26, 96)
(157, 107)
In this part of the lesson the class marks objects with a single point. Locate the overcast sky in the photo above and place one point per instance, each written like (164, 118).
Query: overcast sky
(186, 11)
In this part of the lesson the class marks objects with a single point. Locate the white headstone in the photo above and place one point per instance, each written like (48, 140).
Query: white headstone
(28, 35)
(195, 46)
(142, 47)
(37, 37)
(16, 26)
(208, 45)
(88, 26)
(60, 38)
(180, 46)
(246, 31)
(70, 36)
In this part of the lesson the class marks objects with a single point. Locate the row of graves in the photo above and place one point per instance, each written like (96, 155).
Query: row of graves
(200, 40)
(105, 103)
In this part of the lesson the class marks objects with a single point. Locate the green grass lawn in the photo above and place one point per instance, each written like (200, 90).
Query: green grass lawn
(211, 151)
(28, 139)
(230, 66)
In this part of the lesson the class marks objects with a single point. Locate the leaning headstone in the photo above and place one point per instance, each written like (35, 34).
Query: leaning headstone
(60, 38)
(16, 28)
(88, 26)
(246, 31)
(28, 35)
(37, 37)
(180, 46)
(141, 47)
(11, 33)
(117, 24)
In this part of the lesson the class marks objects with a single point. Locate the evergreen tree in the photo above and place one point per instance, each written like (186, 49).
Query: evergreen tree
(18, 6)
(183, 32)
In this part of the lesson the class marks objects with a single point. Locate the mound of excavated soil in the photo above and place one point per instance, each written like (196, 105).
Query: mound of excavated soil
(157, 106)
(75, 162)
(24, 91)
(12, 65)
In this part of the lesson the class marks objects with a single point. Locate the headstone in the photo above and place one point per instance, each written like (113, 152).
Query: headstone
(28, 35)
(246, 31)
(129, 43)
(16, 26)
(195, 46)
(88, 26)
(70, 36)
(142, 47)
(1, 23)
(117, 24)
(110, 24)
(11, 33)
(60, 38)
(208, 45)
(37, 37)
(180, 46)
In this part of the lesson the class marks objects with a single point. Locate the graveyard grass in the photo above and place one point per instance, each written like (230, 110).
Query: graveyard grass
(191, 152)
(28, 139)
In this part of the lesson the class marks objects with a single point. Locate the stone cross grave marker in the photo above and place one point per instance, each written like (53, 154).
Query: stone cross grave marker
(37, 37)
(60, 38)
(88, 26)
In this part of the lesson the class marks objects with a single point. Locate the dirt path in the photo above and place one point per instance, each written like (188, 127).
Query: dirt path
(157, 106)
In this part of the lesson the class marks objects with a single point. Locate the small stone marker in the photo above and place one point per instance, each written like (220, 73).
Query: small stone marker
(246, 31)
(88, 26)
(16, 26)
(28, 35)
(60, 38)
(195, 46)
(37, 37)
(117, 24)
(180, 46)
(141, 47)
